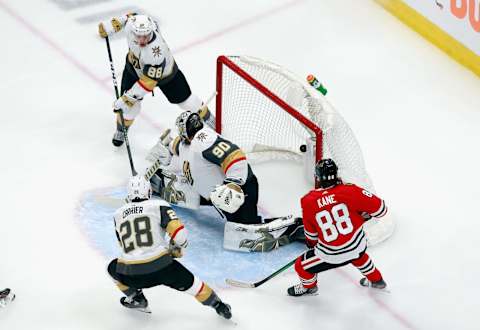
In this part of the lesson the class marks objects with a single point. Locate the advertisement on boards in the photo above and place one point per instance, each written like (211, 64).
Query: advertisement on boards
(459, 18)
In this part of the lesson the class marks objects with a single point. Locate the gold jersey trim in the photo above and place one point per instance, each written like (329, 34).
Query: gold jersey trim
(233, 157)
(172, 226)
(142, 261)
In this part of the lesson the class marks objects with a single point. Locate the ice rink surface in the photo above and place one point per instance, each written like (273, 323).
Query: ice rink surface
(414, 111)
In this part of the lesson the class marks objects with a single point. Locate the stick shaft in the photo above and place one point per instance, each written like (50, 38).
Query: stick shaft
(257, 284)
(120, 112)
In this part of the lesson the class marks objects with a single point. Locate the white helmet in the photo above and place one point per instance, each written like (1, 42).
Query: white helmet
(142, 26)
(138, 188)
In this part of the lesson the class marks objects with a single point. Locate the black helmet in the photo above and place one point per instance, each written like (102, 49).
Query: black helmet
(326, 172)
(188, 123)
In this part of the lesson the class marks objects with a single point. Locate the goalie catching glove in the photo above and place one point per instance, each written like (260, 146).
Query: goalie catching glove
(160, 150)
(228, 197)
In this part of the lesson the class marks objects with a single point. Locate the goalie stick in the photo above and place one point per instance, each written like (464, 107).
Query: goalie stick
(240, 284)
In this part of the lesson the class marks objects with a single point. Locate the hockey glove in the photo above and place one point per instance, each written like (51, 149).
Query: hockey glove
(125, 102)
(160, 150)
(114, 25)
(228, 197)
(176, 250)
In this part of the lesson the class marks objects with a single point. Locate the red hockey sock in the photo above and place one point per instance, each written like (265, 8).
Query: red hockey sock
(308, 280)
(367, 268)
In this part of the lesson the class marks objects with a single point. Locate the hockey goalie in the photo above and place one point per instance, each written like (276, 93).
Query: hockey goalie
(200, 167)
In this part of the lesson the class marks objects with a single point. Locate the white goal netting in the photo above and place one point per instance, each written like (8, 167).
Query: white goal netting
(264, 108)
(265, 130)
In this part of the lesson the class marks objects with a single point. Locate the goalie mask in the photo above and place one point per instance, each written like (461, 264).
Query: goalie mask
(188, 124)
(138, 188)
(326, 172)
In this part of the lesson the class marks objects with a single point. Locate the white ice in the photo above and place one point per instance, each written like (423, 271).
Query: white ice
(413, 109)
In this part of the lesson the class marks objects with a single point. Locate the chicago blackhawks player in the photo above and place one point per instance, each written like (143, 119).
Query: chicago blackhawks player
(6, 296)
(149, 64)
(200, 167)
(147, 259)
(333, 217)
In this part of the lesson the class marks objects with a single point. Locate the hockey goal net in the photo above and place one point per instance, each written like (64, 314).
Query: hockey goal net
(272, 114)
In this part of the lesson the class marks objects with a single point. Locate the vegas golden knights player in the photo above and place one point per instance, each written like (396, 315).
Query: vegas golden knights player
(149, 64)
(147, 259)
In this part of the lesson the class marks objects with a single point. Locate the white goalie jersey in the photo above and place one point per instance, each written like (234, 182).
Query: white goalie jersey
(208, 160)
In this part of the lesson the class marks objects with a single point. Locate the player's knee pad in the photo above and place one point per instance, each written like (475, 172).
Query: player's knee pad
(183, 279)
(193, 103)
(195, 286)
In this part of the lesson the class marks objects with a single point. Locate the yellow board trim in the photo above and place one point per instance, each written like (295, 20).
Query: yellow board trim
(433, 33)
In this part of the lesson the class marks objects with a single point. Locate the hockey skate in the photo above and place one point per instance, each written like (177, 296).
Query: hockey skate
(224, 310)
(299, 290)
(118, 138)
(6, 296)
(381, 285)
(137, 302)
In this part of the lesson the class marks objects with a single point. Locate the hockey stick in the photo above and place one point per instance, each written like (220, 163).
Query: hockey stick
(119, 111)
(241, 284)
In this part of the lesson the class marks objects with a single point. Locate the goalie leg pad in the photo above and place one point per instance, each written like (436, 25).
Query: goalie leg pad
(259, 237)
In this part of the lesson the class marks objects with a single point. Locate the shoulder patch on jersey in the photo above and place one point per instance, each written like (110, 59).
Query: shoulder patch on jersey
(223, 153)
(167, 214)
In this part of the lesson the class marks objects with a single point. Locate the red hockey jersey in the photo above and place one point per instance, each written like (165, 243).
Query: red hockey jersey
(333, 219)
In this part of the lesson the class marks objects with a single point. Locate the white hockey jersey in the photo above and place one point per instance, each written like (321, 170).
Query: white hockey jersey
(152, 62)
(142, 229)
(210, 159)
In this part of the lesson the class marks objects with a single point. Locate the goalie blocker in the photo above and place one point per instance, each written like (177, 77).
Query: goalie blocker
(207, 169)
